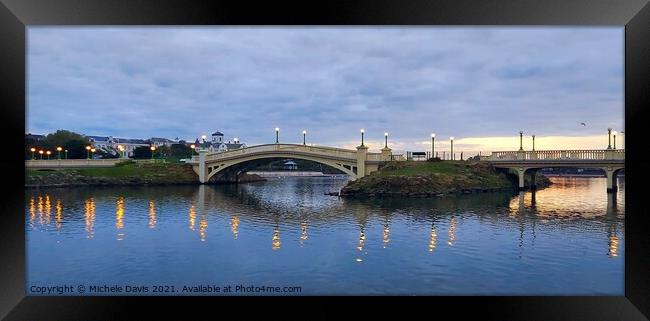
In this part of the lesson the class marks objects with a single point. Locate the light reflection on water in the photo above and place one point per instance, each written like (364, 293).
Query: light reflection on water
(566, 239)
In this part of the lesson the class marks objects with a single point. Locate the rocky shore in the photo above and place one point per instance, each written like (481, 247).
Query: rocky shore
(433, 179)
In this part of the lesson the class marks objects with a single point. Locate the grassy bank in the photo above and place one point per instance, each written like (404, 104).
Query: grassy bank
(128, 173)
(425, 179)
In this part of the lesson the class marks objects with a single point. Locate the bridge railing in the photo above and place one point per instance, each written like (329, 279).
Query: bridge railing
(320, 150)
(62, 163)
(586, 154)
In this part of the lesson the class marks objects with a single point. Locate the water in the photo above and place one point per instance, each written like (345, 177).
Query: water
(564, 240)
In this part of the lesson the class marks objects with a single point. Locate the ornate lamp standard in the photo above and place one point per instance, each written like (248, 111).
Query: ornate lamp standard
(40, 152)
(452, 147)
(521, 140)
(203, 137)
(304, 137)
(66, 154)
(92, 150)
(121, 149)
(362, 131)
(614, 133)
(152, 150)
(192, 147)
(33, 150)
(277, 135)
(48, 154)
(58, 149)
(87, 152)
(533, 143)
(609, 134)
(433, 149)
(386, 140)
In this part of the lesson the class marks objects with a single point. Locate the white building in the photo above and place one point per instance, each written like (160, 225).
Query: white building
(218, 145)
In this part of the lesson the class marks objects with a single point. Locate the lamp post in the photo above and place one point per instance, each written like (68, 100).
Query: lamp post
(203, 137)
(533, 143)
(92, 151)
(66, 154)
(386, 140)
(433, 149)
(121, 149)
(192, 147)
(362, 131)
(48, 154)
(304, 137)
(58, 149)
(521, 140)
(614, 133)
(609, 134)
(452, 147)
(87, 152)
(33, 150)
(40, 152)
(277, 135)
(152, 150)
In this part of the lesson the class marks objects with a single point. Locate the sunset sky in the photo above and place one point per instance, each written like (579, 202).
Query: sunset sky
(481, 85)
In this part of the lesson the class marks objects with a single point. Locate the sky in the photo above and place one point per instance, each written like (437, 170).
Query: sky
(480, 85)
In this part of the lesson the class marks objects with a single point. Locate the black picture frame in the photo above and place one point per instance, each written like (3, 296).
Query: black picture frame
(17, 15)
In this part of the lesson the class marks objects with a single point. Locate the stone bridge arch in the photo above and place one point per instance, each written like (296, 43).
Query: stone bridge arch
(217, 167)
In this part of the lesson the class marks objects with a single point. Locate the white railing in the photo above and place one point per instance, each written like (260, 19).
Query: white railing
(317, 150)
(542, 155)
(55, 163)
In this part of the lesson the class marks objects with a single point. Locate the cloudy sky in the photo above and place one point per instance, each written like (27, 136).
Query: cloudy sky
(481, 85)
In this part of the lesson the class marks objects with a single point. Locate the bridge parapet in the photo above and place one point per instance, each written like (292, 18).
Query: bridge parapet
(319, 150)
(541, 155)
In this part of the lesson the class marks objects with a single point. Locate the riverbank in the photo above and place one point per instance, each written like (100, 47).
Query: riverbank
(433, 179)
(123, 174)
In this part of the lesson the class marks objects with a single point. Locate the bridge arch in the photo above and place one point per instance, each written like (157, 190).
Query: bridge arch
(216, 167)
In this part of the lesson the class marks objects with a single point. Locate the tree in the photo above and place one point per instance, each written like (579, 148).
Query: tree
(180, 150)
(73, 142)
(142, 152)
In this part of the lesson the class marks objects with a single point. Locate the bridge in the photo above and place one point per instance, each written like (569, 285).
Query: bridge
(230, 165)
(611, 161)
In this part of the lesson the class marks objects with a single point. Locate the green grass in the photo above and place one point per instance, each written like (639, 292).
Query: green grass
(125, 170)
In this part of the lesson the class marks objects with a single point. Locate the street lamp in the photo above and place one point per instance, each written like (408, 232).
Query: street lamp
(33, 150)
(92, 151)
(386, 140)
(609, 134)
(66, 154)
(87, 152)
(533, 143)
(48, 154)
(152, 150)
(614, 133)
(277, 135)
(192, 149)
(203, 138)
(433, 149)
(40, 152)
(58, 149)
(121, 149)
(362, 131)
(304, 137)
(521, 140)
(452, 147)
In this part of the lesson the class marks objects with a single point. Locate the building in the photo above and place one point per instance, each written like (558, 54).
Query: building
(157, 141)
(218, 145)
(108, 144)
(290, 165)
(34, 137)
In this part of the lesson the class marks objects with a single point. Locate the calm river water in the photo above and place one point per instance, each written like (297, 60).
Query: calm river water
(564, 240)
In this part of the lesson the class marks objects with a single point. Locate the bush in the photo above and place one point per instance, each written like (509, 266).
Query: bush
(434, 159)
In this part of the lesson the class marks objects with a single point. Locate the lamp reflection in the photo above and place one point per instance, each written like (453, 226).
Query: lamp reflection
(32, 211)
(303, 232)
(48, 209)
(613, 246)
(152, 214)
(119, 217)
(452, 231)
(276, 239)
(192, 216)
(203, 226)
(234, 226)
(89, 215)
(59, 214)
(434, 239)
(386, 235)
(40, 210)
